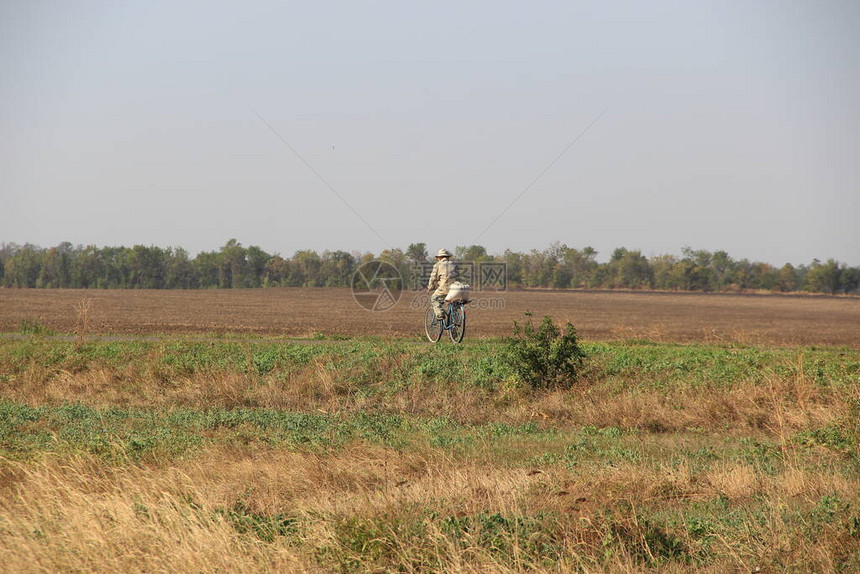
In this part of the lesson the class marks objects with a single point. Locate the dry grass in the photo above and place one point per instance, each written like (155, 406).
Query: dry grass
(83, 309)
(779, 406)
(77, 514)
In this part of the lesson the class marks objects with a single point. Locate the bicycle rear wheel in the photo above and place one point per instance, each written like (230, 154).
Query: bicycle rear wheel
(458, 323)
(432, 327)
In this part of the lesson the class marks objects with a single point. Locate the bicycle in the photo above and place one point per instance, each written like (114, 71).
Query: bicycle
(453, 321)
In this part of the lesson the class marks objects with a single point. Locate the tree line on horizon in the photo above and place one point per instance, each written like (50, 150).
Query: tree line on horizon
(558, 266)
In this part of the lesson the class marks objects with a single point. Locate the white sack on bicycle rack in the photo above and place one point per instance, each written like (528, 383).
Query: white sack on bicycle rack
(459, 292)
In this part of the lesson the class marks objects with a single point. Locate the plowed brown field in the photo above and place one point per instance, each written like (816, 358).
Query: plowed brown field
(751, 319)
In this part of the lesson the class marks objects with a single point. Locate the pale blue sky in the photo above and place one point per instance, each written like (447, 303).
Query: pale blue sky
(727, 125)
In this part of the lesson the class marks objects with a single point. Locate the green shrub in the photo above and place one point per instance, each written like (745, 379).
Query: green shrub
(544, 357)
(264, 527)
(33, 327)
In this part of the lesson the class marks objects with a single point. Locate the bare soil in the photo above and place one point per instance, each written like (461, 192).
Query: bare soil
(306, 312)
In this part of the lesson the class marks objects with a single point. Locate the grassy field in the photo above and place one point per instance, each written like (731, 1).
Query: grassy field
(378, 455)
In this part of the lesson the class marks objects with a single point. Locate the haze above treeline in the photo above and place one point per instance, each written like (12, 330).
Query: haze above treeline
(369, 125)
(557, 266)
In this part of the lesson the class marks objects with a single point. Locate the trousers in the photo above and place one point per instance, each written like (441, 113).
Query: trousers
(438, 301)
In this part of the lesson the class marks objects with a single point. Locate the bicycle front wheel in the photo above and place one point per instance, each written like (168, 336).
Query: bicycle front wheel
(432, 327)
(458, 323)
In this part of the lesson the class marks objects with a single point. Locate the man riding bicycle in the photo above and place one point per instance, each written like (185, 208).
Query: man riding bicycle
(444, 273)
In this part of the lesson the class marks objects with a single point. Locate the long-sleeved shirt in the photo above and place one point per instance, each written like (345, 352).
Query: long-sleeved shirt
(444, 273)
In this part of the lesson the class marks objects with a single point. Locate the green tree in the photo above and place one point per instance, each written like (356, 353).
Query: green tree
(417, 252)
(538, 267)
(338, 268)
(850, 280)
(255, 266)
(88, 270)
(664, 276)
(207, 269)
(697, 269)
(575, 268)
(561, 274)
(148, 266)
(721, 266)
(180, 272)
(823, 278)
(398, 259)
(786, 280)
(117, 267)
(556, 266)
(56, 271)
(472, 253)
(514, 266)
(743, 274)
(629, 269)
(394, 256)
(277, 271)
(305, 270)
(23, 266)
(232, 265)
